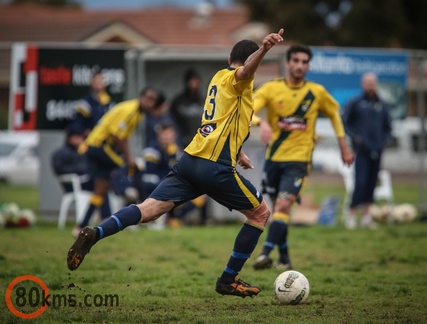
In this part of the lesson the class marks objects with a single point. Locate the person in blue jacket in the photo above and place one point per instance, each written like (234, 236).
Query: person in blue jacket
(93, 106)
(367, 122)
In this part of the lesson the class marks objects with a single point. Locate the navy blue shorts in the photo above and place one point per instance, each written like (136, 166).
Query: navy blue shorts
(281, 177)
(191, 177)
(99, 163)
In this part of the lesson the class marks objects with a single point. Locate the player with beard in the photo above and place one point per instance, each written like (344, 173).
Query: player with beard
(293, 105)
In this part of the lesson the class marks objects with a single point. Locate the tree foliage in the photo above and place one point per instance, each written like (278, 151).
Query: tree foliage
(359, 23)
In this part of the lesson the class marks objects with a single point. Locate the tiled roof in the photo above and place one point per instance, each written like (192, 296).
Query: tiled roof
(160, 25)
(173, 28)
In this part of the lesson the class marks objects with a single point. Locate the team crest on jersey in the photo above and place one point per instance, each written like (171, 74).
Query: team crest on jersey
(305, 105)
(207, 129)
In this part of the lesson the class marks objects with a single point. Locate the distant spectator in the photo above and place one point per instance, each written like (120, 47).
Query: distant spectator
(367, 121)
(126, 182)
(159, 157)
(67, 160)
(93, 106)
(187, 107)
(160, 114)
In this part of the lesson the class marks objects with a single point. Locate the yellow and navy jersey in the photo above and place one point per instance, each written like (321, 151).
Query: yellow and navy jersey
(159, 160)
(295, 109)
(118, 123)
(226, 119)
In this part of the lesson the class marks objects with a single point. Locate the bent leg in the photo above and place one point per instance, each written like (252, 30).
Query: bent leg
(151, 209)
(246, 241)
(277, 233)
(258, 216)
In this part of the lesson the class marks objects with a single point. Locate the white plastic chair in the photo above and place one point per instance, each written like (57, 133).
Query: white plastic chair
(78, 197)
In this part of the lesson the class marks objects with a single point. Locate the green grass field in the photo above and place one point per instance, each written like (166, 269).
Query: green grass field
(168, 276)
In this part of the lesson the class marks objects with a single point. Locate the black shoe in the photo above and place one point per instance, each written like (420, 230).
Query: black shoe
(236, 288)
(81, 247)
(263, 262)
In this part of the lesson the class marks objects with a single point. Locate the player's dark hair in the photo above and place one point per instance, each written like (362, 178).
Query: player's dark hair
(190, 74)
(298, 48)
(163, 126)
(160, 99)
(242, 50)
(146, 89)
(96, 72)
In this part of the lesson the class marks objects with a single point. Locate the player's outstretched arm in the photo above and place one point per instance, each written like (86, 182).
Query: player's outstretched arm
(253, 61)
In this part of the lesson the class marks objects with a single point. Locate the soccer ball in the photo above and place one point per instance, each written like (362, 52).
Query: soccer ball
(291, 288)
(27, 217)
(10, 213)
(404, 213)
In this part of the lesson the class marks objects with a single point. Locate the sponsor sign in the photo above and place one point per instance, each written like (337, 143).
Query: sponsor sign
(340, 71)
(46, 83)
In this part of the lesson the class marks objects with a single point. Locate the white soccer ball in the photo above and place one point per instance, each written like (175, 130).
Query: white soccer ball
(10, 212)
(291, 288)
(28, 215)
(404, 213)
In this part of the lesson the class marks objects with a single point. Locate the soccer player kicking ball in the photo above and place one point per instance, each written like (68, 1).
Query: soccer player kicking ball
(212, 154)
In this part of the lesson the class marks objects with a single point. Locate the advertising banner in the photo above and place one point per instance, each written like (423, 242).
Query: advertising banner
(340, 71)
(47, 82)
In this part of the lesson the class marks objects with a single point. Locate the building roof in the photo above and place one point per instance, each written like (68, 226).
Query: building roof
(165, 28)
(155, 25)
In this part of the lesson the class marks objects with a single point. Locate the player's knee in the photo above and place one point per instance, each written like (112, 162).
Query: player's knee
(151, 209)
(259, 216)
(265, 211)
(284, 201)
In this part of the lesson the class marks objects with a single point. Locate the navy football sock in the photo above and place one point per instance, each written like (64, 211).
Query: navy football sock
(244, 245)
(125, 217)
(274, 236)
(284, 254)
(283, 246)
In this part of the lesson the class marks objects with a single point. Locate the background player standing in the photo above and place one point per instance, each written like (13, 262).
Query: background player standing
(293, 105)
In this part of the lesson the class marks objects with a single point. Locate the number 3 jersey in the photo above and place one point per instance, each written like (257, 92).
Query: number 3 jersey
(292, 113)
(226, 119)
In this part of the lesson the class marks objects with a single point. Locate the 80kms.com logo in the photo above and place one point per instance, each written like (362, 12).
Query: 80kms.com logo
(27, 297)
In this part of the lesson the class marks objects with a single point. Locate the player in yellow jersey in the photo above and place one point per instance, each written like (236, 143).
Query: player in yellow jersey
(208, 166)
(107, 146)
(293, 105)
